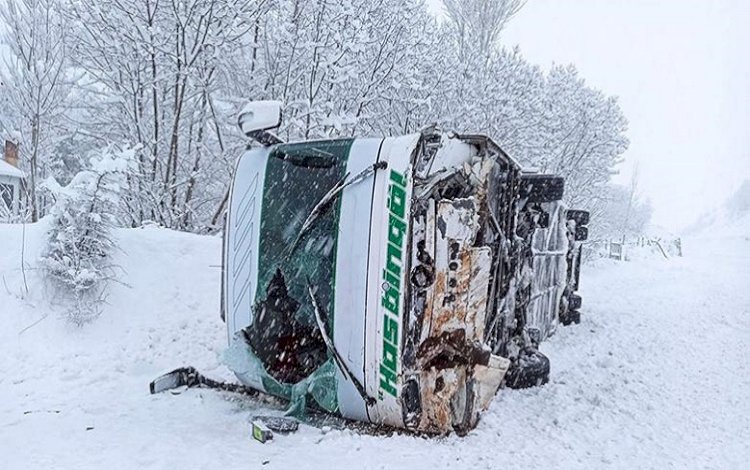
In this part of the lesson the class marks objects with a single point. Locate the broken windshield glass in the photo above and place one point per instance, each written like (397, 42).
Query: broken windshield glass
(283, 334)
(326, 201)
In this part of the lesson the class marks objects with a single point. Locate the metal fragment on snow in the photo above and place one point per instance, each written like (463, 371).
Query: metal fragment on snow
(261, 433)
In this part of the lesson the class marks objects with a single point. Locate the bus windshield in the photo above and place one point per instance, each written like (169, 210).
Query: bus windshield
(283, 333)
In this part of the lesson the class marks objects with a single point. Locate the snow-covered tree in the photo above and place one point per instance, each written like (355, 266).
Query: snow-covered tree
(339, 67)
(500, 95)
(36, 84)
(151, 71)
(619, 214)
(550, 121)
(478, 23)
(78, 259)
(342, 68)
(169, 76)
(584, 135)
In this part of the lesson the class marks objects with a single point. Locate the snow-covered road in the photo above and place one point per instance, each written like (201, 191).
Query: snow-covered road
(656, 376)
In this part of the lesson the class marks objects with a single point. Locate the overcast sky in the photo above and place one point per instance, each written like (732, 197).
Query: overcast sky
(681, 69)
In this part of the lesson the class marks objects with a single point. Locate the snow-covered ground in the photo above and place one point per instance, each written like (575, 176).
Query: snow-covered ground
(656, 376)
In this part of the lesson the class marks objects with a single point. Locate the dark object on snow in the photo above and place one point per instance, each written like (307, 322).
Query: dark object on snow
(28, 412)
(261, 433)
(278, 424)
(569, 317)
(530, 369)
(542, 188)
(189, 377)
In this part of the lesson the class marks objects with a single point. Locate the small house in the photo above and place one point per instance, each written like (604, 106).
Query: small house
(10, 182)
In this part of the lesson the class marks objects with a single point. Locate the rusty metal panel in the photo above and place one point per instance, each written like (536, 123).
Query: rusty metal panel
(476, 307)
(487, 380)
(438, 389)
(453, 319)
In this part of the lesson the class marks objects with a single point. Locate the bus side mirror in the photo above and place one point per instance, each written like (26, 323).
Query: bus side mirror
(257, 118)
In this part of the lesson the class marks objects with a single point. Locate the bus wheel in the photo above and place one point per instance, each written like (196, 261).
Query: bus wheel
(530, 369)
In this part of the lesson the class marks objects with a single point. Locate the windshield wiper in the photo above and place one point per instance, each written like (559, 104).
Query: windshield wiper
(321, 322)
(325, 202)
(306, 158)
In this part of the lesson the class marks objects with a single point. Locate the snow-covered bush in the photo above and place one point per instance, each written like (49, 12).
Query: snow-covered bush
(77, 260)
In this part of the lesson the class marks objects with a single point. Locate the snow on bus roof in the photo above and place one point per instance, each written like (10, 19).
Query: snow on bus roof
(6, 169)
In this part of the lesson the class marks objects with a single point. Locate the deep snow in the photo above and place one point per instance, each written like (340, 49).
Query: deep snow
(656, 376)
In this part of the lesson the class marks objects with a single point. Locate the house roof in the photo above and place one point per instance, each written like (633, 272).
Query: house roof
(6, 169)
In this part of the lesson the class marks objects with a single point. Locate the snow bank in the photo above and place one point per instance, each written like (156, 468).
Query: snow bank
(656, 376)
(60, 380)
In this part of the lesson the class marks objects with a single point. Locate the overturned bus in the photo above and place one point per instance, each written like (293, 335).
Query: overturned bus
(399, 281)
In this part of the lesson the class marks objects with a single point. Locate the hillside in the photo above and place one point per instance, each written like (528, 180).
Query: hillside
(731, 219)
